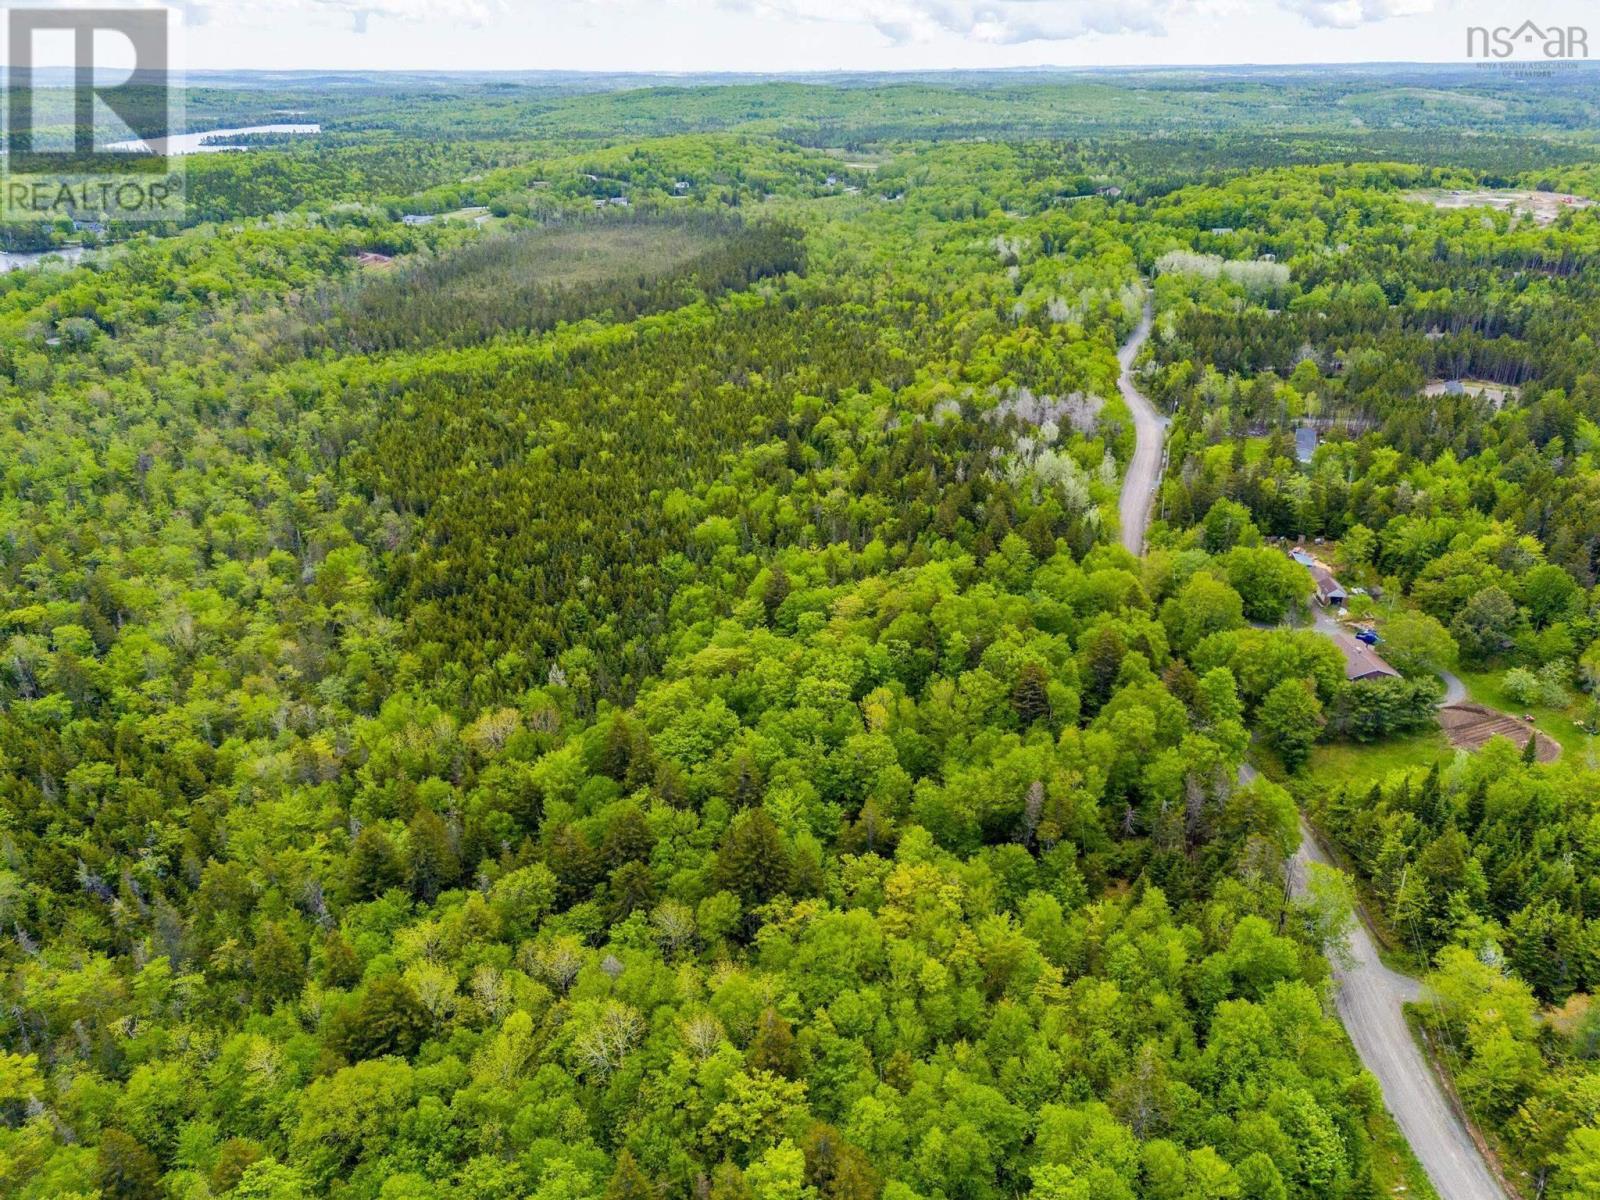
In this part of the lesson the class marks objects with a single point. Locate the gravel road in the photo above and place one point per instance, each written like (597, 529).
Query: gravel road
(1139, 486)
(1369, 999)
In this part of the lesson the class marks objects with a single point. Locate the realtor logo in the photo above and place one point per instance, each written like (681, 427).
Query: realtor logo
(1550, 42)
(90, 99)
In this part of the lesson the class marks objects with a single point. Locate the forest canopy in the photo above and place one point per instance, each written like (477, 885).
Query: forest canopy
(574, 642)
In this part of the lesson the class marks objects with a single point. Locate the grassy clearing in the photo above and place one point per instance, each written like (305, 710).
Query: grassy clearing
(1361, 764)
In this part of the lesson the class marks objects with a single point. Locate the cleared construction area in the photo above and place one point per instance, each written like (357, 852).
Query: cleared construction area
(1543, 207)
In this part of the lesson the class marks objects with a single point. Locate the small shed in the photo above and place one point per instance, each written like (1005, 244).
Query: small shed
(1329, 590)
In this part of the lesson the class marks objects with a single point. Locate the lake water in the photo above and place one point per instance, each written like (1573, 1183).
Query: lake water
(18, 262)
(196, 143)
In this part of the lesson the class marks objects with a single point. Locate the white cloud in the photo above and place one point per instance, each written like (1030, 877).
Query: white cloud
(461, 12)
(1003, 22)
(1011, 22)
(1348, 14)
(359, 15)
(900, 23)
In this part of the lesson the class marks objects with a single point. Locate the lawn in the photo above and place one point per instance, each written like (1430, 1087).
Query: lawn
(1360, 764)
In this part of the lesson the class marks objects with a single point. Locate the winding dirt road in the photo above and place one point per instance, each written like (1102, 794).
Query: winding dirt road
(1144, 469)
(1370, 998)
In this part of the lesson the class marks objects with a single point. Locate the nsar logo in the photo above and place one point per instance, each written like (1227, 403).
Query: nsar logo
(1550, 41)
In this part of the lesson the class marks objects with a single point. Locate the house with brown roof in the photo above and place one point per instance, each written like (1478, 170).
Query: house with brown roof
(1361, 661)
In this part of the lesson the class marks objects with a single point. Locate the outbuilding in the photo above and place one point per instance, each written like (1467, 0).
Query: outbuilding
(1330, 592)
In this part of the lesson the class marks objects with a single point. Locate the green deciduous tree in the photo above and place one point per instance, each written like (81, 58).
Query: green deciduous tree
(1291, 720)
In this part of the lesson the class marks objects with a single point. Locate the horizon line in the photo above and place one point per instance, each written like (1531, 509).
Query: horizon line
(804, 72)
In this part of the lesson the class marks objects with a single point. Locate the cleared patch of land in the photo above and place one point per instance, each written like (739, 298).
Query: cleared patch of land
(857, 161)
(1470, 726)
(1495, 393)
(1432, 100)
(1543, 207)
(1362, 764)
(1564, 723)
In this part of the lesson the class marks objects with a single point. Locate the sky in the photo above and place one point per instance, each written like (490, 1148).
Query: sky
(820, 35)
